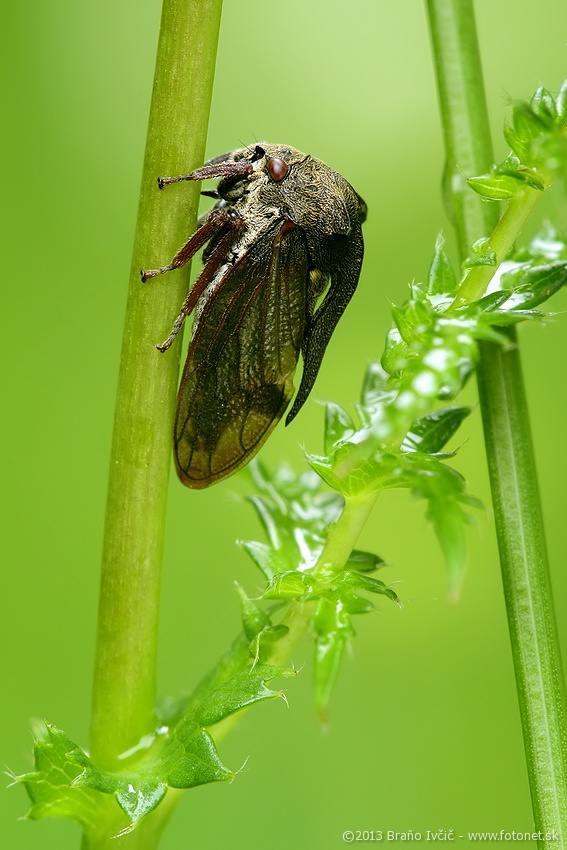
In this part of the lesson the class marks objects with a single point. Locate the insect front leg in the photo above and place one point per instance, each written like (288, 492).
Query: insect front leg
(215, 219)
(210, 170)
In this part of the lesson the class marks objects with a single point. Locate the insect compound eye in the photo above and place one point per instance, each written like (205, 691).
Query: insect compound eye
(277, 168)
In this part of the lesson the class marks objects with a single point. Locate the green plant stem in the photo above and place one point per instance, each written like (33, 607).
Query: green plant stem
(527, 588)
(517, 510)
(125, 664)
(500, 242)
(342, 537)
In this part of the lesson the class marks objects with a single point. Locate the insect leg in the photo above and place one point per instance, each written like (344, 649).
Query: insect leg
(212, 225)
(219, 169)
(205, 278)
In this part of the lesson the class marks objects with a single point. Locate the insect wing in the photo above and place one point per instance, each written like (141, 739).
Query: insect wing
(238, 378)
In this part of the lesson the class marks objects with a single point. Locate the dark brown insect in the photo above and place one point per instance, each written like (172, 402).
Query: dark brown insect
(284, 233)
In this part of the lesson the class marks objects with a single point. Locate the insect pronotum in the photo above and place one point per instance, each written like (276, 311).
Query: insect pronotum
(282, 255)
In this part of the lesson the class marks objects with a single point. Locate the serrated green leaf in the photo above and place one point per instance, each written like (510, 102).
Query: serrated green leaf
(518, 144)
(441, 278)
(338, 426)
(411, 319)
(373, 385)
(267, 513)
(254, 620)
(136, 803)
(296, 513)
(329, 650)
(561, 103)
(506, 318)
(264, 557)
(324, 468)
(443, 358)
(262, 646)
(95, 778)
(480, 245)
(349, 580)
(67, 783)
(241, 691)
(50, 787)
(429, 477)
(543, 106)
(486, 259)
(512, 167)
(234, 660)
(333, 628)
(189, 758)
(537, 138)
(354, 605)
(532, 179)
(492, 301)
(443, 488)
(364, 562)
(527, 124)
(395, 354)
(496, 187)
(289, 585)
(352, 471)
(430, 433)
(534, 285)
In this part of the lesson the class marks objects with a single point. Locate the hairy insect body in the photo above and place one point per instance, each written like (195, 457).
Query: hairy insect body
(285, 231)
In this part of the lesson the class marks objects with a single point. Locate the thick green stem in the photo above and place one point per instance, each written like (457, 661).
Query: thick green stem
(124, 680)
(125, 663)
(519, 526)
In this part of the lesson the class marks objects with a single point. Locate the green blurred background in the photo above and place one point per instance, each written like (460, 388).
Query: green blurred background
(424, 724)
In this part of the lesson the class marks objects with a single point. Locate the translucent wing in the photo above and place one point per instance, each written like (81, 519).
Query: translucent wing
(238, 378)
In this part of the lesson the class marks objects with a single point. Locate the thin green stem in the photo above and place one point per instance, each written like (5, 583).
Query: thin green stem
(341, 541)
(125, 665)
(500, 242)
(513, 479)
(342, 537)
(527, 588)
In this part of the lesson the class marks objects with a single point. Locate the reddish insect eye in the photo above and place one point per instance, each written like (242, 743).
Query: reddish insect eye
(277, 168)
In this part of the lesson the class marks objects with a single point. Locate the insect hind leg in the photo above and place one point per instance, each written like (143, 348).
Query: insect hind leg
(177, 325)
(220, 224)
(212, 225)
